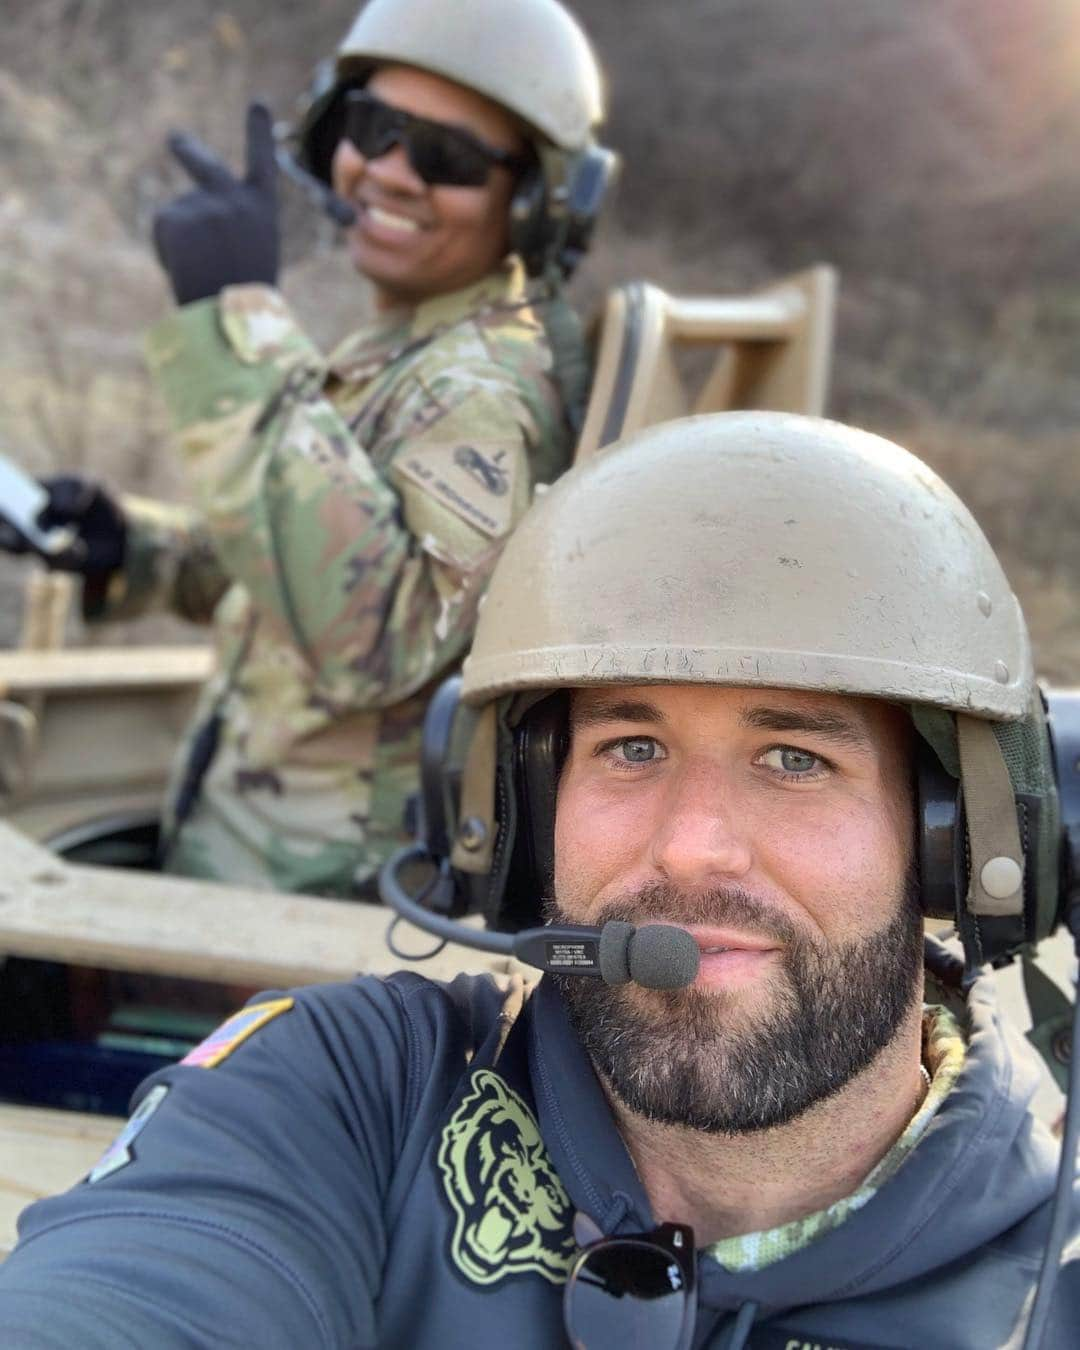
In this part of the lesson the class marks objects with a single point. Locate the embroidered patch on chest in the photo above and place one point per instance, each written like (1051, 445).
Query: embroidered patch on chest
(511, 1213)
(235, 1030)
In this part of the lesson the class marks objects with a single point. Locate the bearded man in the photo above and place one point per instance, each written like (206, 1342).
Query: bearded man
(764, 657)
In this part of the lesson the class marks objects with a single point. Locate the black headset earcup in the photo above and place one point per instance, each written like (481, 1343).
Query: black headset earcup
(1063, 721)
(540, 742)
(940, 834)
(590, 183)
(547, 234)
(319, 128)
(531, 233)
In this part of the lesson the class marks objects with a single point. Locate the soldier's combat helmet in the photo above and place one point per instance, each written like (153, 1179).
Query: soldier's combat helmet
(766, 549)
(530, 56)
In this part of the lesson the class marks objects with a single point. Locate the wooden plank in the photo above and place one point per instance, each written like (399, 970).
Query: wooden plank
(98, 916)
(83, 668)
(42, 1152)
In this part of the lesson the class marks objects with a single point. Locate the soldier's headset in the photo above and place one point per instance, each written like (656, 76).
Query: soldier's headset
(556, 200)
(529, 759)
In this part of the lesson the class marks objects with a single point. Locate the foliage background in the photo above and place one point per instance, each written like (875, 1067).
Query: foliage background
(926, 148)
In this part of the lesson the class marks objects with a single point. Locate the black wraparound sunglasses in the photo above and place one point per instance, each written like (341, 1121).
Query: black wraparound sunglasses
(634, 1292)
(439, 153)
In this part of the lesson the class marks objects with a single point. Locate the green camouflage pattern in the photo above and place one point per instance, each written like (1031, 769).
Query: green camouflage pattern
(944, 1050)
(169, 563)
(357, 504)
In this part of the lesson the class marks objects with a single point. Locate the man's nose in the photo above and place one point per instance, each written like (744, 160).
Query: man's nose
(703, 835)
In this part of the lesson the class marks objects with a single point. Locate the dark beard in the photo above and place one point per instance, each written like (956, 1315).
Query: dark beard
(691, 1060)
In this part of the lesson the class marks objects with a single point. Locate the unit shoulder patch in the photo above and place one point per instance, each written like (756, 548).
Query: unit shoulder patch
(234, 1031)
(120, 1152)
(512, 1215)
(474, 479)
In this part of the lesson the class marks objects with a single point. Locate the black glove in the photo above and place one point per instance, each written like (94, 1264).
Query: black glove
(224, 233)
(100, 529)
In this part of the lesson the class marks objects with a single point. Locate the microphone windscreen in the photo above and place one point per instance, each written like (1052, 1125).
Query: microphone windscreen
(613, 951)
(661, 956)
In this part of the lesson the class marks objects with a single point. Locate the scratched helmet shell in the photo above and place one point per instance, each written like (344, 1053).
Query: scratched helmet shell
(531, 56)
(756, 549)
(761, 549)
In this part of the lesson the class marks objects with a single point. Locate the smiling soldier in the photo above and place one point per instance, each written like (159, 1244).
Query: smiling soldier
(350, 508)
(808, 1137)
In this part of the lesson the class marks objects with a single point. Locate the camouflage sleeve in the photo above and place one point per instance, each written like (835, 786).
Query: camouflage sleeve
(374, 581)
(169, 563)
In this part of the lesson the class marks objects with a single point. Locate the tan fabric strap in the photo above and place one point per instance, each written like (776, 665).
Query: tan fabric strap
(997, 859)
(471, 852)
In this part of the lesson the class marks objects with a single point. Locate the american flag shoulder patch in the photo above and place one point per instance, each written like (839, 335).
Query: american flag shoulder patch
(235, 1030)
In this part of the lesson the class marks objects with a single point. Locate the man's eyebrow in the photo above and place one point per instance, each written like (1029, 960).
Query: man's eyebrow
(831, 726)
(590, 712)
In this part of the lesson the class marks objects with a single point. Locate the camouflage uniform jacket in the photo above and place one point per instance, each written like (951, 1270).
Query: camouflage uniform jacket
(348, 512)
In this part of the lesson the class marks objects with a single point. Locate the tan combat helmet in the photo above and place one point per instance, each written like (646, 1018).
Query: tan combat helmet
(530, 56)
(767, 549)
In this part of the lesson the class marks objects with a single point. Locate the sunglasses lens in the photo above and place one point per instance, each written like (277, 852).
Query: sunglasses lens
(440, 156)
(628, 1295)
(370, 125)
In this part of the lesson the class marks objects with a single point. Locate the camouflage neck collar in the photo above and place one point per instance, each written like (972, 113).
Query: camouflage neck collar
(943, 1053)
(394, 332)
(501, 289)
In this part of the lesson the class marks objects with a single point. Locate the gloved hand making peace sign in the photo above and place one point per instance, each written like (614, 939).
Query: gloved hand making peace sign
(225, 232)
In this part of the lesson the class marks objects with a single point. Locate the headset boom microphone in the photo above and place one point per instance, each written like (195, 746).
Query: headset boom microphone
(656, 955)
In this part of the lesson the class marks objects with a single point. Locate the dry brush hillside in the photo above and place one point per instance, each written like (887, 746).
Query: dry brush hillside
(924, 147)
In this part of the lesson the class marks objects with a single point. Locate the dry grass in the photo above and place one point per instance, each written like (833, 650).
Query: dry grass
(926, 148)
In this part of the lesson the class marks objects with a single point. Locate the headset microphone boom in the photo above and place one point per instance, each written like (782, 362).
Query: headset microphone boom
(656, 955)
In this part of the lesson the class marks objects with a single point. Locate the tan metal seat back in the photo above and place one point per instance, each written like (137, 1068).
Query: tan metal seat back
(91, 730)
(773, 350)
(46, 604)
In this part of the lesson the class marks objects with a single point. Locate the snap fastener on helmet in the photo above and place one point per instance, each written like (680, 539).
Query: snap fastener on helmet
(1001, 877)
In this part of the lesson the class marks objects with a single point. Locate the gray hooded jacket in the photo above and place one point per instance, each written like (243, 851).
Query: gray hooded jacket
(379, 1164)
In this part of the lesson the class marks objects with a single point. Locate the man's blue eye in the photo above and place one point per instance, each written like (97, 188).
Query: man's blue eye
(787, 759)
(638, 749)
